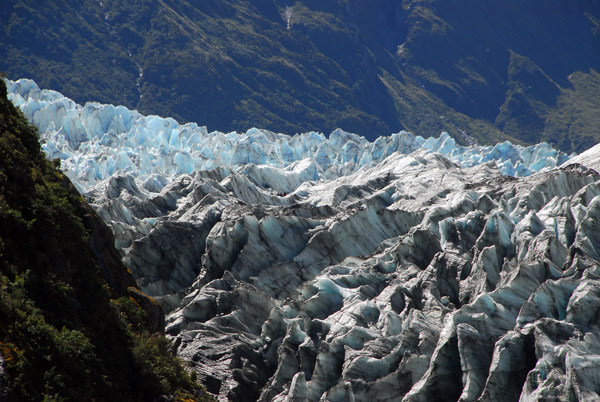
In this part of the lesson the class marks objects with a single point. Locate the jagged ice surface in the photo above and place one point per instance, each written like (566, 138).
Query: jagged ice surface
(306, 268)
(98, 141)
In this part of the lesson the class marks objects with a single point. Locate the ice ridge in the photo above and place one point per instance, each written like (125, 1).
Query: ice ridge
(96, 141)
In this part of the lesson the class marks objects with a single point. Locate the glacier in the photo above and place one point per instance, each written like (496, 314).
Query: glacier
(314, 268)
(96, 141)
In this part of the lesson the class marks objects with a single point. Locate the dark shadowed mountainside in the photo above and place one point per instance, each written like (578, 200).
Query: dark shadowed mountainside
(490, 71)
(73, 325)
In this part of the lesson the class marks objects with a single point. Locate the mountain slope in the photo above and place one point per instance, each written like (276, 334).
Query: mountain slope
(488, 71)
(62, 338)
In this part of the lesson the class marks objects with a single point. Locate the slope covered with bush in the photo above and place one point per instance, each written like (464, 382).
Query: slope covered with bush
(73, 326)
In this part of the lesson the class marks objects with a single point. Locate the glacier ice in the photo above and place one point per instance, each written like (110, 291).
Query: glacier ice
(315, 268)
(97, 141)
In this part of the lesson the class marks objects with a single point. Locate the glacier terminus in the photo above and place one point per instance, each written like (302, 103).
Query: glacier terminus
(331, 268)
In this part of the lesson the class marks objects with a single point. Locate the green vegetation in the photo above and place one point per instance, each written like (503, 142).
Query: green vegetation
(574, 123)
(491, 71)
(62, 337)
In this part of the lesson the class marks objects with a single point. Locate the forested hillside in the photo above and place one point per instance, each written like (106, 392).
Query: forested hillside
(73, 325)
